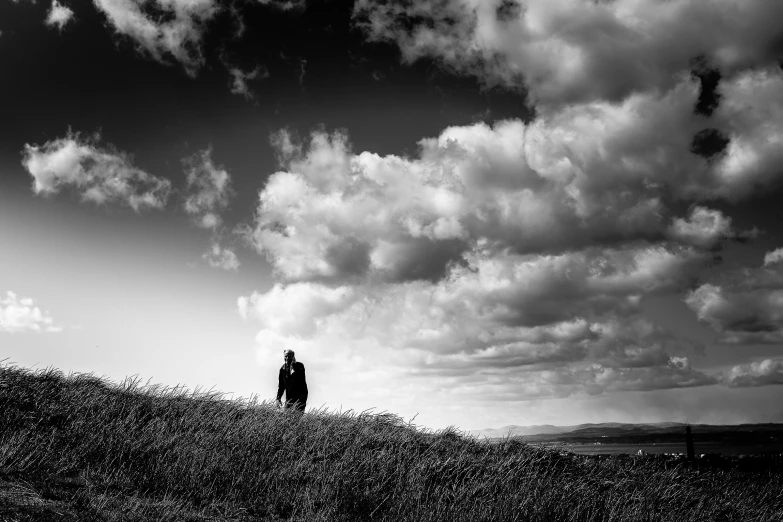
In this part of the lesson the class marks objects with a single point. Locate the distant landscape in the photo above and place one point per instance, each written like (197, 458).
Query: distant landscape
(663, 437)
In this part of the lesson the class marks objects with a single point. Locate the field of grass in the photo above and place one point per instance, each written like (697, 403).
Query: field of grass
(79, 448)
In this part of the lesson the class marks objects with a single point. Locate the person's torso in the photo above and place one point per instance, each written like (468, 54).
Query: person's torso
(295, 384)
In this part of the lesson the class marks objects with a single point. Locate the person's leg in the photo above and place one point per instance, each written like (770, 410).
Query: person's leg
(299, 408)
(296, 405)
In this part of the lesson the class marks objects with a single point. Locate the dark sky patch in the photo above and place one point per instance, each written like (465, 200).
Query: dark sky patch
(709, 78)
(317, 67)
(508, 11)
(708, 143)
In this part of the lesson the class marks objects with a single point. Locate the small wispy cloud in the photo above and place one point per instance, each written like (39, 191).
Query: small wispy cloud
(221, 257)
(208, 189)
(166, 29)
(163, 29)
(239, 80)
(285, 5)
(207, 195)
(774, 257)
(59, 15)
(302, 66)
(20, 314)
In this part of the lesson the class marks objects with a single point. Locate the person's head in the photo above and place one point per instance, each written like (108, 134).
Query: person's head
(288, 355)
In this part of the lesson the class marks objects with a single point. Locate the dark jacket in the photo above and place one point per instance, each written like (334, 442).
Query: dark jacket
(295, 386)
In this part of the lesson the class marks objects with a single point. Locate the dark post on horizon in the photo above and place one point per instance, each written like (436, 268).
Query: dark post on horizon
(689, 444)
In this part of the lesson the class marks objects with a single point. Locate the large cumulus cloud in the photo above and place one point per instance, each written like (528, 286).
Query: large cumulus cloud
(598, 173)
(573, 51)
(513, 253)
(508, 262)
(527, 325)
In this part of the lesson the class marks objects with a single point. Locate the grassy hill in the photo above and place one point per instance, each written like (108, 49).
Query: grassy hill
(79, 448)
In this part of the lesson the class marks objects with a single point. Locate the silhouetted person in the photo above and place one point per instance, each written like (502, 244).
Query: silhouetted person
(292, 382)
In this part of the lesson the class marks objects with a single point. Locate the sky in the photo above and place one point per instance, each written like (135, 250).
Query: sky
(468, 213)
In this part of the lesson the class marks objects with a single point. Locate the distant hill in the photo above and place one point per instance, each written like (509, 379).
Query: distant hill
(516, 431)
(629, 431)
(549, 429)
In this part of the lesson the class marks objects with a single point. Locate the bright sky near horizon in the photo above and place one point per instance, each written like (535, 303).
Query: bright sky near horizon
(472, 212)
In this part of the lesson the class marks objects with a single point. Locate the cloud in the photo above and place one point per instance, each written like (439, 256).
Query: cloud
(207, 194)
(507, 262)
(239, 80)
(571, 51)
(208, 189)
(598, 173)
(706, 228)
(285, 5)
(751, 116)
(221, 257)
(175, 29)
(643, 144)
(759, 373)
(489, 300)
(294, 310)
(163, 29)
(21, 315)
(774, 257)
(59, 15)
(744, 305)
(506, 328)
(675, 372)
(100, 174)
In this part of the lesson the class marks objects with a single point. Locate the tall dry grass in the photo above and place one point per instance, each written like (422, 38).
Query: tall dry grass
(178, 452)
